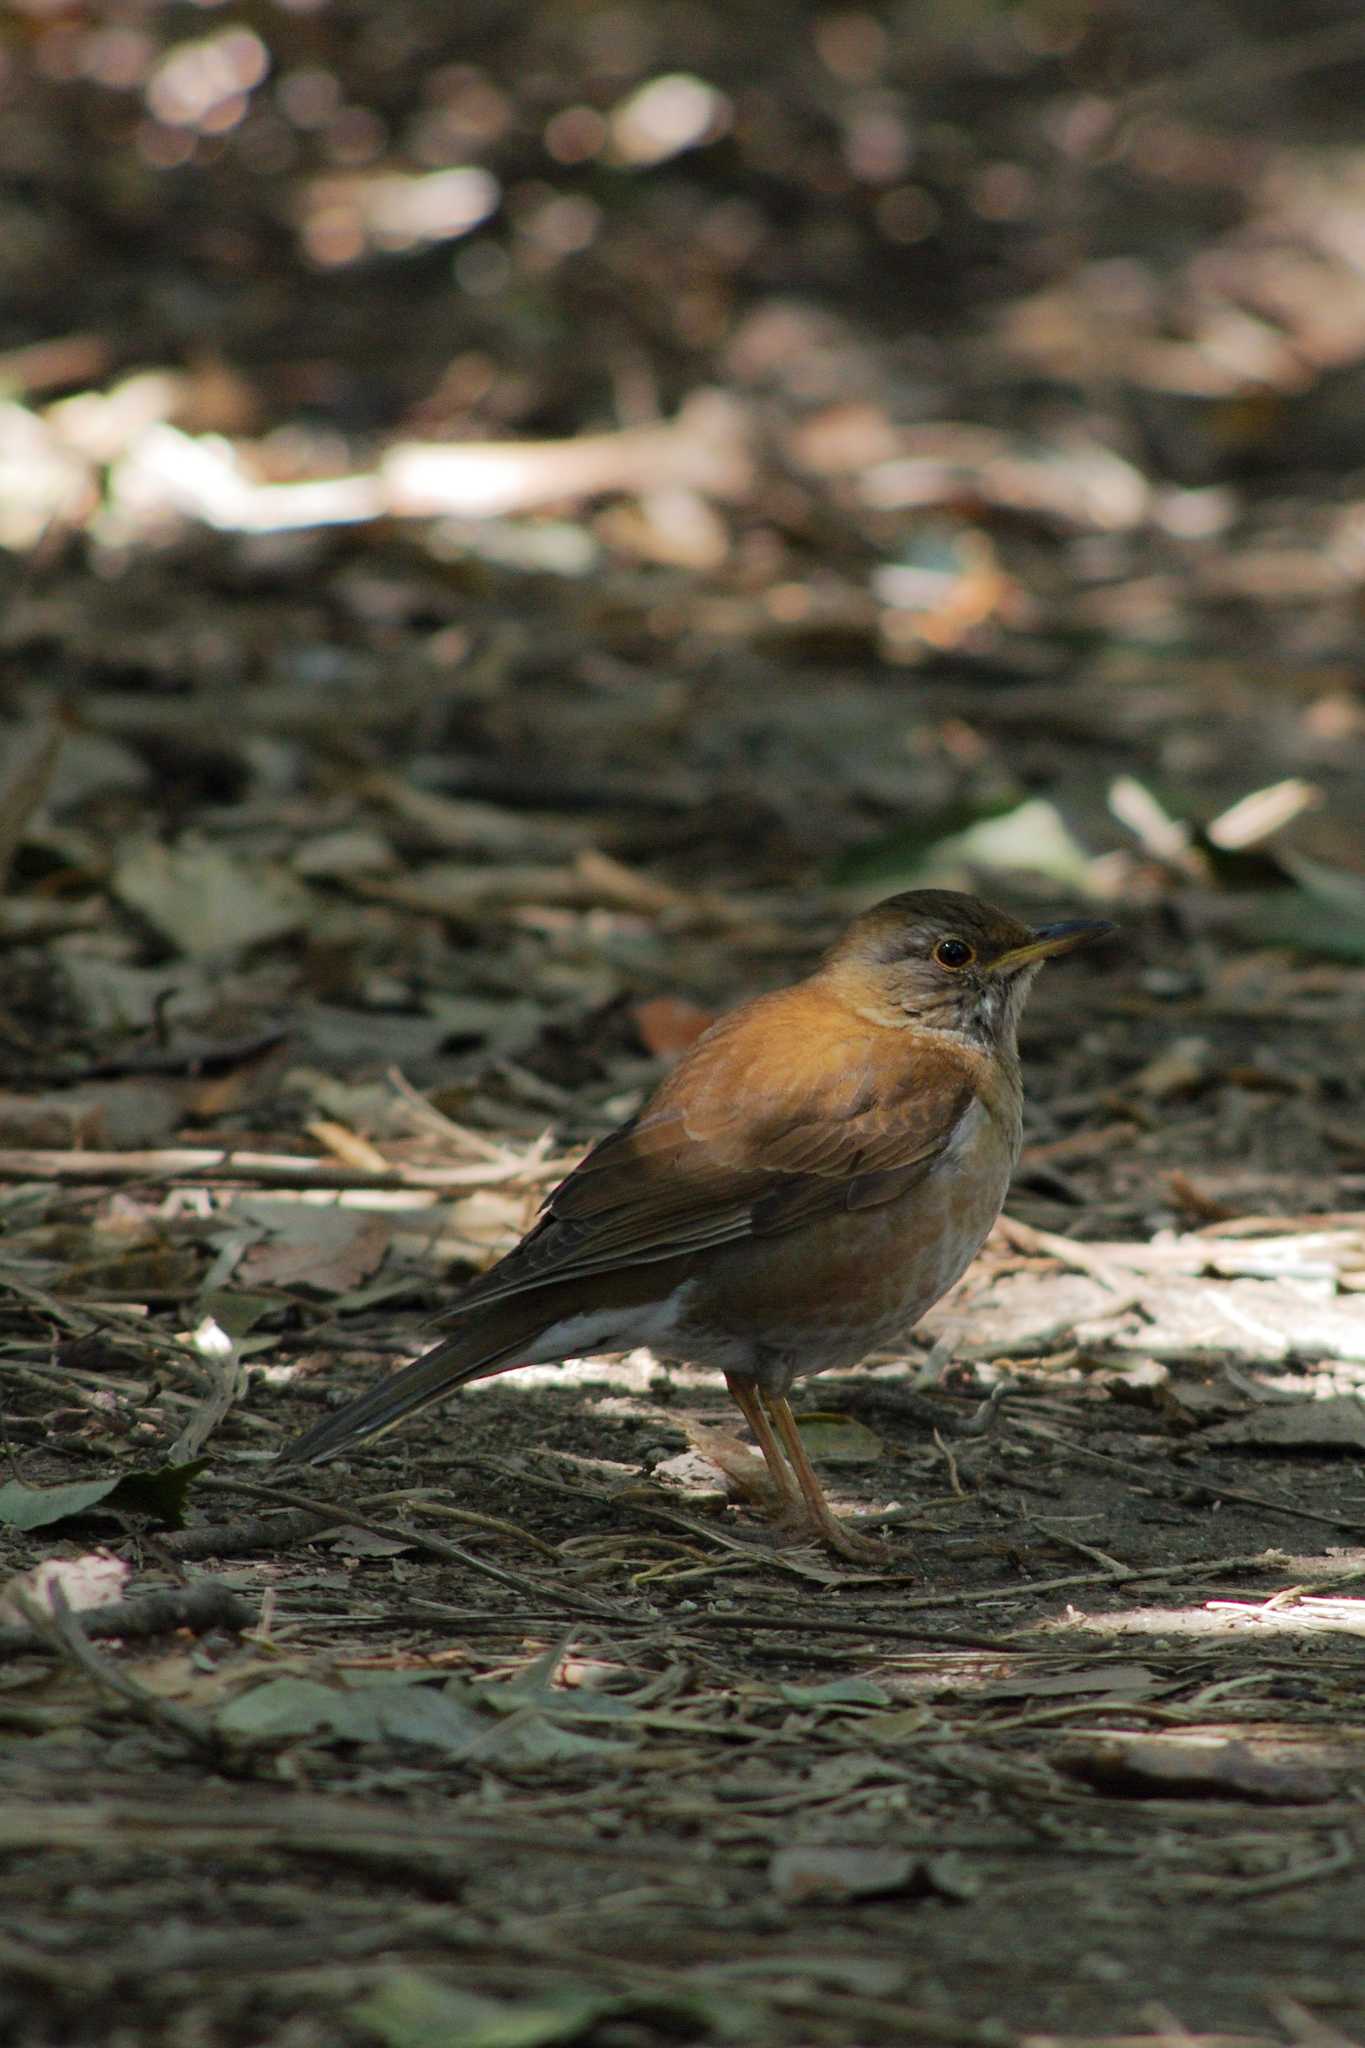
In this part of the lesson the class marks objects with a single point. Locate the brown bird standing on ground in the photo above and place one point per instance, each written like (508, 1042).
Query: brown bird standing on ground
(822, 1165)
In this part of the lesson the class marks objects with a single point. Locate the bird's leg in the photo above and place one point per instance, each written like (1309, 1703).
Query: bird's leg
(841, 1540)
(745, 1397)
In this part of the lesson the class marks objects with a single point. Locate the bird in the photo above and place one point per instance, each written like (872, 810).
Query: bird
(819, 1168)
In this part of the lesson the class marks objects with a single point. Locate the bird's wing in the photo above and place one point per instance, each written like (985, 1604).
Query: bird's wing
(774, 1120)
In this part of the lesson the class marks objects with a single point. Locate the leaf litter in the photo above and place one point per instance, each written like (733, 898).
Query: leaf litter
(525, 1728)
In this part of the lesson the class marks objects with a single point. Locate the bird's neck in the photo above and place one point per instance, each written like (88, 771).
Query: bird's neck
(983, 1047)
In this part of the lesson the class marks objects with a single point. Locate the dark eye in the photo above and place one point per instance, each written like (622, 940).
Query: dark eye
(954, 953)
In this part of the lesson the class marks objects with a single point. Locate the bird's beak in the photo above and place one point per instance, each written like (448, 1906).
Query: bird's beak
(1051, 939)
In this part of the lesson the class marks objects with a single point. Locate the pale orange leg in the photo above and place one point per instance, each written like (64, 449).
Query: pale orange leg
(843, 1541)
(745, 1397)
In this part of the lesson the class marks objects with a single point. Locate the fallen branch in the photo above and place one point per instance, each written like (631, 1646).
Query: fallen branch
(203, 1605)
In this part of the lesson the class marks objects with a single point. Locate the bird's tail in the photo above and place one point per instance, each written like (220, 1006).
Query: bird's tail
(489, 1344)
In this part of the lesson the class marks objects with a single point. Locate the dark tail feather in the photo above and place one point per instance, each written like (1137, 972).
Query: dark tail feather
(489, 1344)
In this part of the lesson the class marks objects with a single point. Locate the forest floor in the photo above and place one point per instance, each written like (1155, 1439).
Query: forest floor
(363, 870)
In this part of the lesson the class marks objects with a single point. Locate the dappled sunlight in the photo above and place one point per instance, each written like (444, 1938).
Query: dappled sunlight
(517, 523)
(1292, 1610)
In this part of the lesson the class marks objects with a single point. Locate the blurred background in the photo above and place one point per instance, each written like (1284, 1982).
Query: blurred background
(513, 514)
(514, 521)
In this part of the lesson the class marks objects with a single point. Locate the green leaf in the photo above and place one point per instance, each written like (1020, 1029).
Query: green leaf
(839, 1440)
(392, 1707)
(160, 1493)
(1308, 923)
(1006, 838)
(839, 1692)
(238, 1312)
(411, 2010)
(903, 852)
(363, 1712)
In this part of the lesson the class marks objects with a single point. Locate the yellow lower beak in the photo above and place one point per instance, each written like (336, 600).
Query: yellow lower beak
(1051, 939)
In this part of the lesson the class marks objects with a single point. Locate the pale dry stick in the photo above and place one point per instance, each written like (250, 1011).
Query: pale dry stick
(1090, 1143)
(227, 1384)
(1095, 1262)
(461, 824)
(215, 1164)
(346, 1146)
(1341, 1856)
(1304, 2028)
(73, 360)
(204, 478)
(703, 449)
(496, 1524)
(533, 1160)
(950, 1461)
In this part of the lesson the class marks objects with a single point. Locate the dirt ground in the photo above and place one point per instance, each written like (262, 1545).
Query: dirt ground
(365, 865)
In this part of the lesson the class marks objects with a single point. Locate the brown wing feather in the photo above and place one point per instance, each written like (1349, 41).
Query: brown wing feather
(786, 1111)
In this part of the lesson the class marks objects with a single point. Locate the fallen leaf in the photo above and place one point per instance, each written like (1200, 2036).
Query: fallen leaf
(1336, 1424)
(817, 1873)
(1122, 1681)
(325, 1250)
(716, 1460)
(839, 1440)
(205, 901)
(411, 2010)
(1003, 838)
(160, 1493)
(837, 1692)
(667, 1026)
(370, 1711)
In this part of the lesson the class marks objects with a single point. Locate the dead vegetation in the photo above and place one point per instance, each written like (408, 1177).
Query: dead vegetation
(616, 525)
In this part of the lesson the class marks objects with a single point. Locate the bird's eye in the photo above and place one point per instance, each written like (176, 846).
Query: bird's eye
(954, 953)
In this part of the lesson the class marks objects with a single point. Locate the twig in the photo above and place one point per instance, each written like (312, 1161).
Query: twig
(174, 1163)
(75, 1315)
(203, 1605)
(1069, 1542)
(60, 1630)
(1034, 1589)
(341, 1514)
(227, 1385)
(1341, 1856)
(266, 1534)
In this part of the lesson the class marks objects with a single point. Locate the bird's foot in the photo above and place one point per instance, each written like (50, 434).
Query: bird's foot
(864, 1550)
(797, 1525)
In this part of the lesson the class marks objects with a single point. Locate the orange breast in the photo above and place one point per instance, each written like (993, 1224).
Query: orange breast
(826, 1293)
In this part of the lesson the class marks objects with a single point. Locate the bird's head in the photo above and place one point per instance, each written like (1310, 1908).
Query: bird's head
(948, 962)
